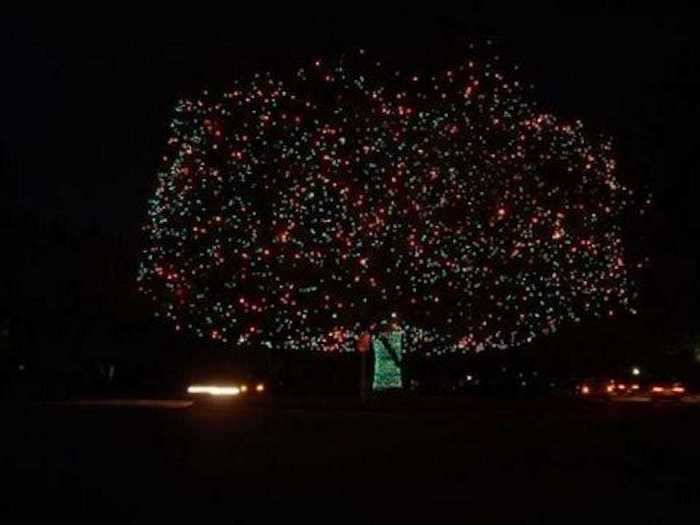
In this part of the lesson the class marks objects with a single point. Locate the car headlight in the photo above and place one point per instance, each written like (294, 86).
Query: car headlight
(214, 390)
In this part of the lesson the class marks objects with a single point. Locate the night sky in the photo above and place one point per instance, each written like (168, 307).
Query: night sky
(85, 109)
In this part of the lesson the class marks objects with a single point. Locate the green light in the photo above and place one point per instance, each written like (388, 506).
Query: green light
(387, 359)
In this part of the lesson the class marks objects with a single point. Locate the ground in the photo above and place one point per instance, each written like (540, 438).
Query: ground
(479, 461)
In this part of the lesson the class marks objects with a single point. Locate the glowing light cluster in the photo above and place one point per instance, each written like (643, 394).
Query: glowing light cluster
(300, 212)
(387, 361)
(214, 390)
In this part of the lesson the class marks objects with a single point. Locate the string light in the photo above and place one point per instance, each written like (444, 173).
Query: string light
(300, 211)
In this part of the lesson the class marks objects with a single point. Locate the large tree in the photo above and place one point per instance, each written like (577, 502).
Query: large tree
(300, 212)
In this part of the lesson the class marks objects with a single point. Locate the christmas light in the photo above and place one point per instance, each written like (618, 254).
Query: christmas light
(300, 212)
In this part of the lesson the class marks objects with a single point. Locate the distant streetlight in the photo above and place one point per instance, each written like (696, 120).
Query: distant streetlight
(635, 371)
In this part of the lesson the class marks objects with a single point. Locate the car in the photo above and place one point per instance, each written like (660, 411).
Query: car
(226, 388)
(667, 390)
(226, 384)
(607, 388)
(620, 387)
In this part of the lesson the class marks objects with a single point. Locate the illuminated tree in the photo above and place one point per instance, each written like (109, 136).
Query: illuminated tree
(302, 212)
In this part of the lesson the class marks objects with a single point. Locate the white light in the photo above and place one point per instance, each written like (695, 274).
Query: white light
(214, 390)
(635, 371)
(225, 391)
(260, 387)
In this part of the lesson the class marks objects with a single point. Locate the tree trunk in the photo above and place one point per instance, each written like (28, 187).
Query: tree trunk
(388, 361)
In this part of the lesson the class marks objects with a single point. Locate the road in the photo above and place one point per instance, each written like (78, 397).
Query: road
(483, 461)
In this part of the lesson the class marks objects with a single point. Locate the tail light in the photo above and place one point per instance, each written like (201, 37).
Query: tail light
(585, 389)
(678, 389)
(657, 389)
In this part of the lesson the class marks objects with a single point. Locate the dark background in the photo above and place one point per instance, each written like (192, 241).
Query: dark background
(86, 99)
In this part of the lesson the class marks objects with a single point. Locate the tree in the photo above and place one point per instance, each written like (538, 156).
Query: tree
(300, 213)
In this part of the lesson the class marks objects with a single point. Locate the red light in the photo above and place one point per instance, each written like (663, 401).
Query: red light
(621, 387)
(610, 388)
(678, 389)
(585, 389)
(657, 389)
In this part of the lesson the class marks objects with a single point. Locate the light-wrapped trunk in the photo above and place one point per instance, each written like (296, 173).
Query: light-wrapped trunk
(387, 348)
